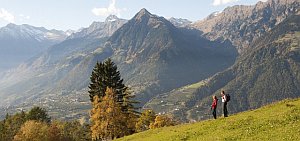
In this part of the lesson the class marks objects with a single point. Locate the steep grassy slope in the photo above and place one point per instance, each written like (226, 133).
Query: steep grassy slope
(279, 121)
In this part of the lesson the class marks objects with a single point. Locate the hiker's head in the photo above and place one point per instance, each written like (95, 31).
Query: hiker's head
(223, 93)
(214, 97)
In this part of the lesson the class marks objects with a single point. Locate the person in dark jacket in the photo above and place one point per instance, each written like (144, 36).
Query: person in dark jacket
(214, 106)
(224, 101)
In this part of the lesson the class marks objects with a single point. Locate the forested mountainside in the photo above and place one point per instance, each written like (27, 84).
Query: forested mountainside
(153, 54)
(266, 73)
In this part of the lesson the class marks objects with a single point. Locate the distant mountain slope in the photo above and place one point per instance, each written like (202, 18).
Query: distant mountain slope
(100, 29)
(244, 24)
(90, 36)
(151, 54)
(154, 56)
(21, 42)
(43, 74)
(179, 22)
(268, 72)
(278, 121)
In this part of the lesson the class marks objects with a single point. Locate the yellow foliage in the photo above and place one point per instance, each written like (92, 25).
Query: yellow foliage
(108, 120)
(162, 121)
(143, 123)
(32, 131)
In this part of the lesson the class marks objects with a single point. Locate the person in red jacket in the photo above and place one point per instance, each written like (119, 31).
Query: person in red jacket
(214, 106)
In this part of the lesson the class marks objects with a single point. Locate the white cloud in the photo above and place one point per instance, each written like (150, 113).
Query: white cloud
(220, 2)
(5, 15)
(23, 18)
(110, 10)
(263, 0)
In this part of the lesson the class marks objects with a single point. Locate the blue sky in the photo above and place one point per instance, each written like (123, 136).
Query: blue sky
(74, 14)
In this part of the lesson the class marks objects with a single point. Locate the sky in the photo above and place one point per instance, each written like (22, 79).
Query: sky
(75, 14)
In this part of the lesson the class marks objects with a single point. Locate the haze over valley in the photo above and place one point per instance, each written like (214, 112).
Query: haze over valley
(172, 65)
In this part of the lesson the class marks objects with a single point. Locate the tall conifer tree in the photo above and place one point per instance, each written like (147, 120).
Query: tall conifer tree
(106, 75)
(113, 107)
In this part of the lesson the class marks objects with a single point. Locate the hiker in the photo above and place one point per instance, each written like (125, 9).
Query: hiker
(214, 106)
(224, 104)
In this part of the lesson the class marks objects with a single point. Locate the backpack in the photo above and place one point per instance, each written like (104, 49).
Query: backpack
(227, 97)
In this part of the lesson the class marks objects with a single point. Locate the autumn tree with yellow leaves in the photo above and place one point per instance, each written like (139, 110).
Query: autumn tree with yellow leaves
(163, 121)
(108, 119)
(113, 114)
(147, 117)
(32, 131)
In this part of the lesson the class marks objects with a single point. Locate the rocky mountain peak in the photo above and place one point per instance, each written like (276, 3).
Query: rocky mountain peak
(212, 15)
(11, 25)
(144, 11)
(100, 29)
(111, 18)
(29, 32)
(143, 14)
(146, 18)
(95, 25)
(179, 22)
(243, 24)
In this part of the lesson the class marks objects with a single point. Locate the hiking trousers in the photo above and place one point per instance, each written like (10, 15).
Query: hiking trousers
(214, 112)
(225, 112)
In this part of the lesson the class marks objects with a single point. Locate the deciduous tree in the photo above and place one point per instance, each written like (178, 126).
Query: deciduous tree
(32, 131)
(147, 117)
(162, 121)
(108, 119)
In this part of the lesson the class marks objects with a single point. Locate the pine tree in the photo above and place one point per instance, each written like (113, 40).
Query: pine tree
(116, 100)
(97, 82)
(38, 114)
(106, 75)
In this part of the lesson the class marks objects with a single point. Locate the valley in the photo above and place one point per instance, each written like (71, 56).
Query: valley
(173, 66)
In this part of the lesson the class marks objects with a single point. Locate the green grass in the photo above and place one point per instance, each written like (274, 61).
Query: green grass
(276, 122)
(174, 99)
(195, 85)
(293, 38)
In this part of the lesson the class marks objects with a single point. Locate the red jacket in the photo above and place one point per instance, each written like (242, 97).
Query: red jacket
(214, 104)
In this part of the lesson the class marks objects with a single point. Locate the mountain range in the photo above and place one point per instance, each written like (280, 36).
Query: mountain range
(179, 22)
(148, 49)
(173, 66)
(244, 24)
(266, 73)
(21, 42)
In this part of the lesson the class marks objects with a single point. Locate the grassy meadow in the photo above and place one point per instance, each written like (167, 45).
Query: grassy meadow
(277, 121)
